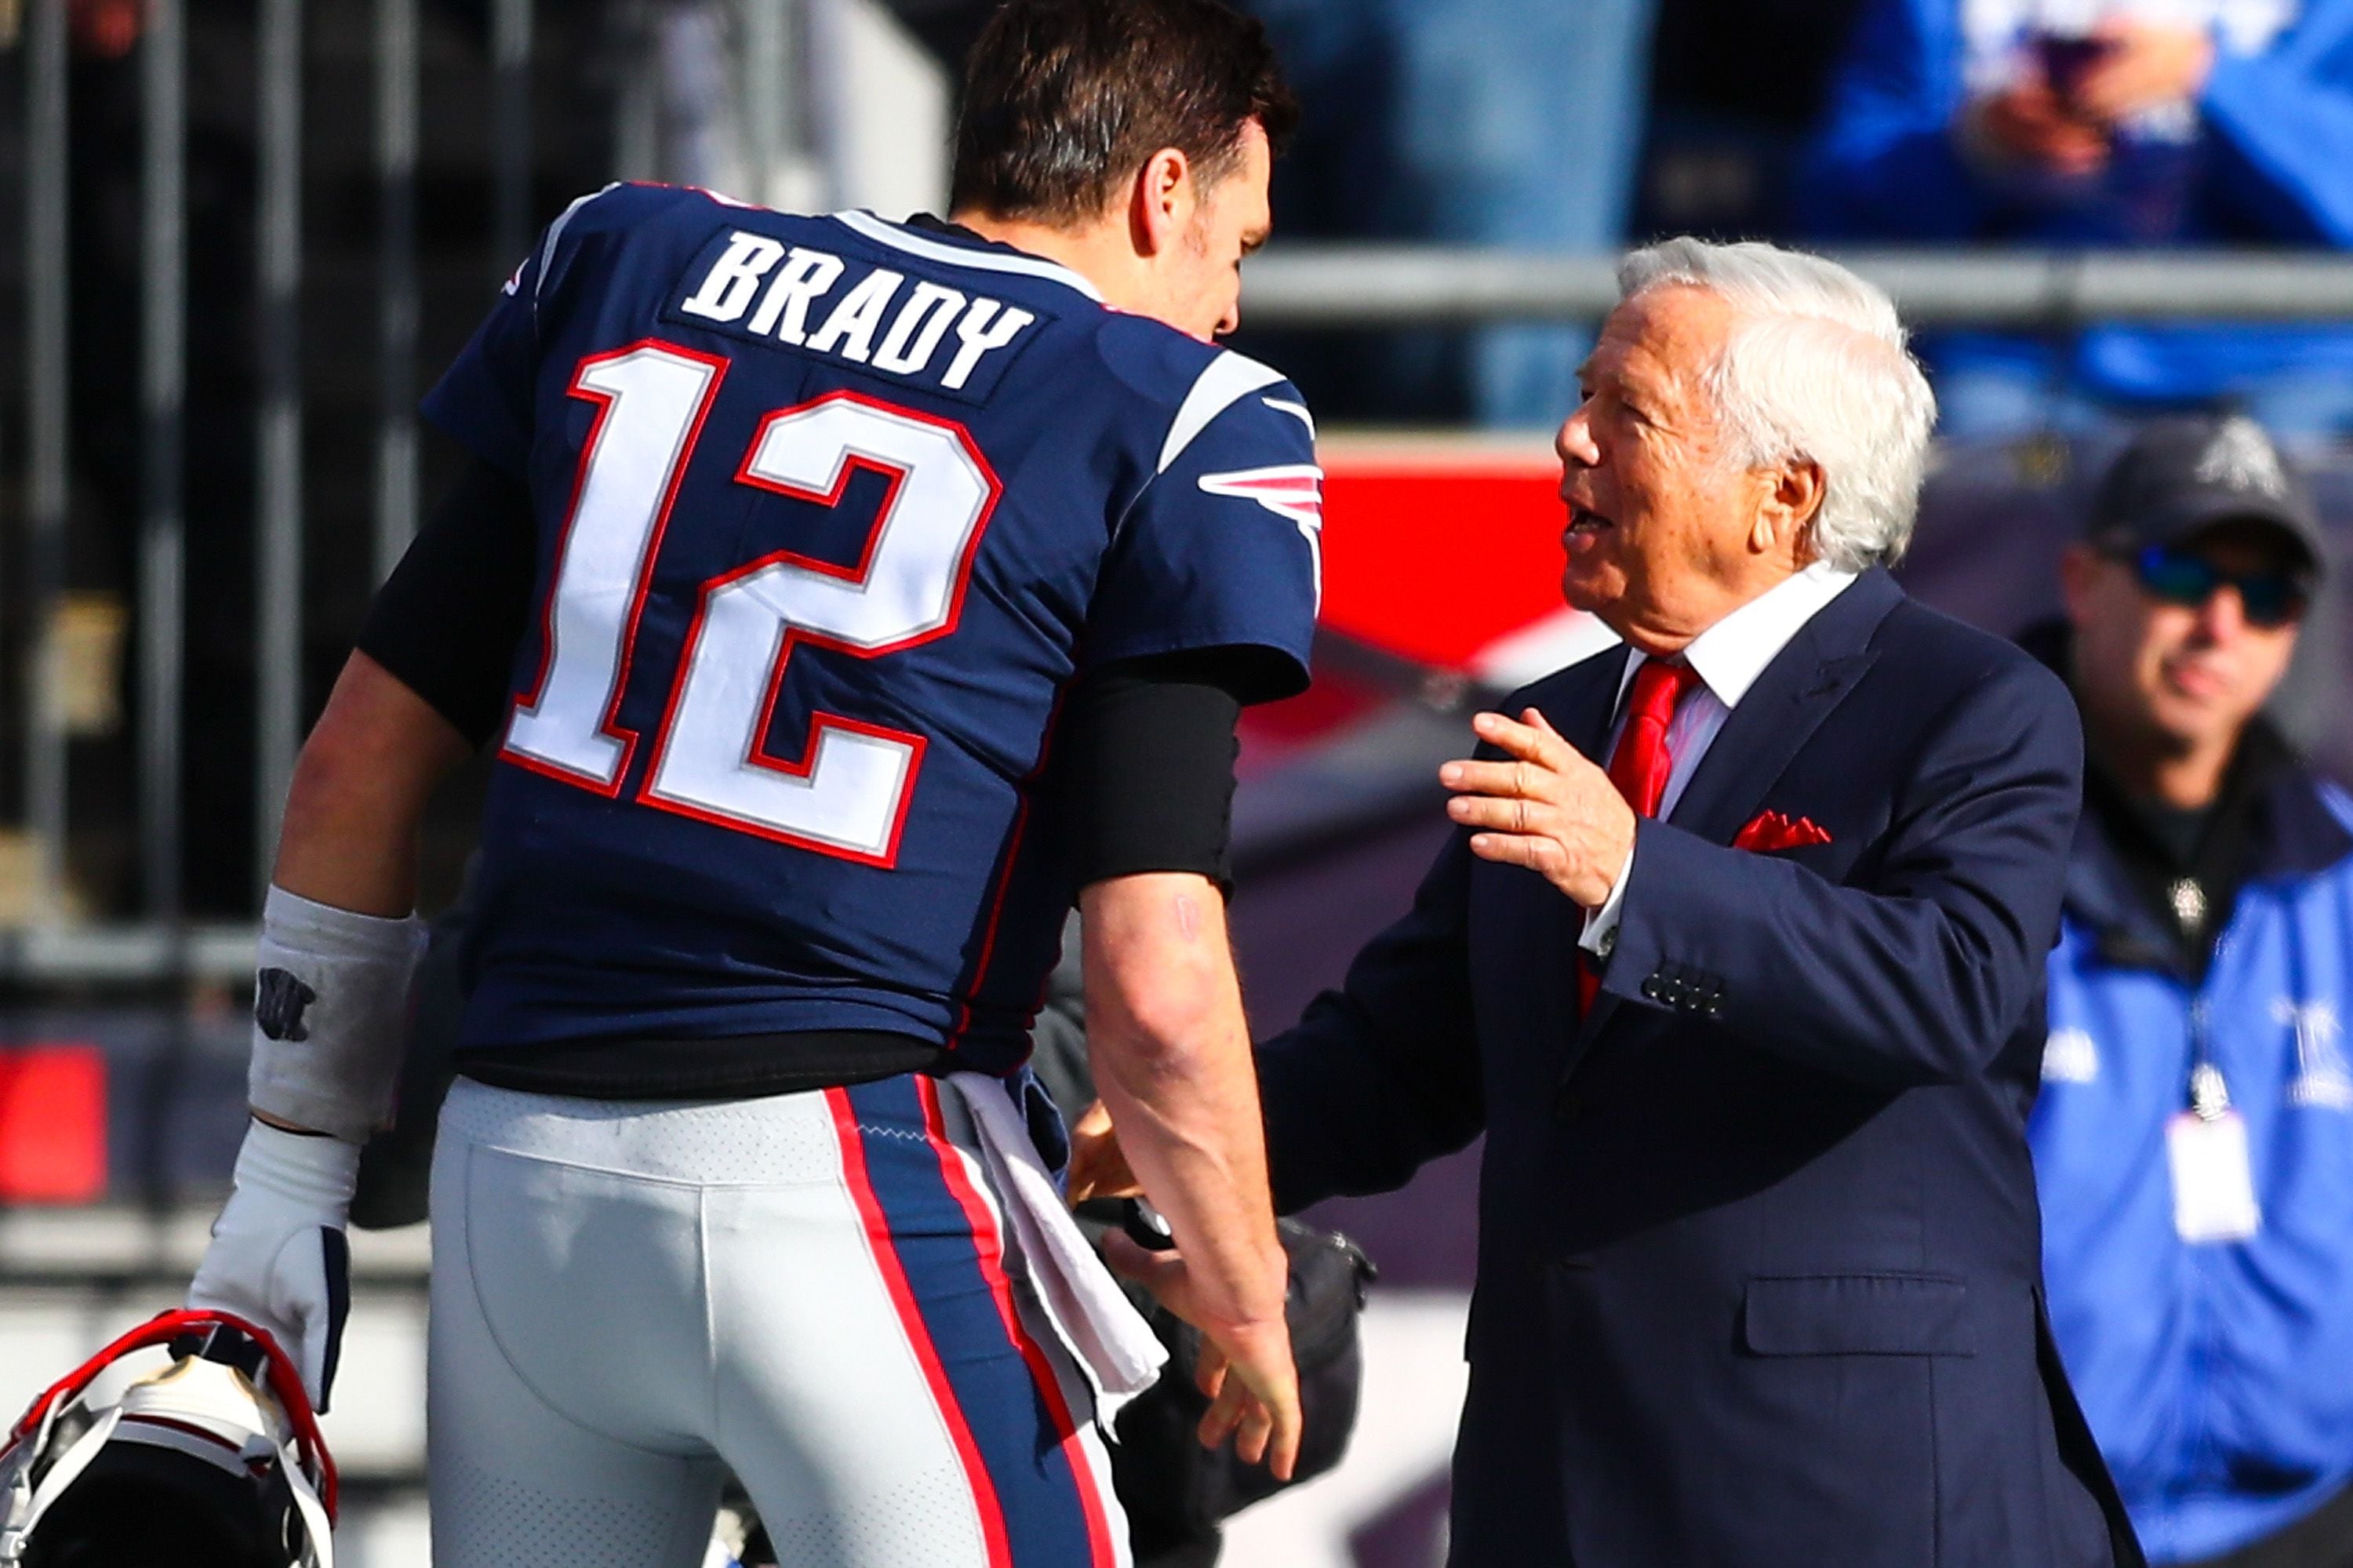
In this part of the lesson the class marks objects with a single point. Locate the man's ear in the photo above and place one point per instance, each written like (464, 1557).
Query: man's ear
(1789, 506)
(2078, 563)
(1166, 196)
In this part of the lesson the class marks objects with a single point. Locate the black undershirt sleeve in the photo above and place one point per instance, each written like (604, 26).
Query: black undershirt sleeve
(446, 622)
(1147, 751)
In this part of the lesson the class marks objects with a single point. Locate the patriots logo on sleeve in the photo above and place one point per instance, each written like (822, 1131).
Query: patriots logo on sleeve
(1292, 491)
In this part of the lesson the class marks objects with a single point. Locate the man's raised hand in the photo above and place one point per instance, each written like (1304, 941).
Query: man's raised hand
(1546, 807)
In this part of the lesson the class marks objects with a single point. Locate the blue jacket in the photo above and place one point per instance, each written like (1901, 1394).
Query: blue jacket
(2275, 165)
(1760, 1276)
(2217, 1377)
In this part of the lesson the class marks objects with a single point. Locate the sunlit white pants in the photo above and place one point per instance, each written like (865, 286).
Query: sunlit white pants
(816, 1291)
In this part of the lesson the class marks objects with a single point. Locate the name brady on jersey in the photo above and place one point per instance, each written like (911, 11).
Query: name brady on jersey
(868, 323)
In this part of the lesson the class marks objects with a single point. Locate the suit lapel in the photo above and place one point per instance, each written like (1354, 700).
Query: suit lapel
(1806, 679)
(1583, 716)
(1543, 925)
(1799, 689)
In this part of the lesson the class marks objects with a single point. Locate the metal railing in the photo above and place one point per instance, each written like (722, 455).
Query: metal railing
(49, 946)
(784, 45)
(159, 943)
(1323, 286)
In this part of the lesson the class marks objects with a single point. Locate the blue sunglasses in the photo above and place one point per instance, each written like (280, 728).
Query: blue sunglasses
(2270, 599)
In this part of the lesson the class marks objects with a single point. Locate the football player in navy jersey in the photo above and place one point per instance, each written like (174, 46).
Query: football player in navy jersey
(844, 599)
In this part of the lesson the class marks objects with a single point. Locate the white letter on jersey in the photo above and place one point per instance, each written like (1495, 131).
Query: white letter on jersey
(653, 402)
(849, 794)
(915, 335)
(979, 334)
(735, 277)
(851, 326)
(803, 281)
(1290, 491)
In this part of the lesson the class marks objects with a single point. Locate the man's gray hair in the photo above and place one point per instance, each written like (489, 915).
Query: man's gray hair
(1815, 369)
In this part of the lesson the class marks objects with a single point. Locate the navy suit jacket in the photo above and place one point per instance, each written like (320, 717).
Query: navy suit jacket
(1759, 1260)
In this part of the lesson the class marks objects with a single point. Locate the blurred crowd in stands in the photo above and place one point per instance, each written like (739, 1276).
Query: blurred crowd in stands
(2107, 123)
(1579, 125)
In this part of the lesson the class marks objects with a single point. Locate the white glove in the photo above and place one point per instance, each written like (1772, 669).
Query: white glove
(279, 1257)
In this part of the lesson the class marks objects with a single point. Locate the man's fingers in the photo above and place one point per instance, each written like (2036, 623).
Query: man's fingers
(1533, 850)
(1158, 1272)
(1511, 814)
(1224, 1415)
(1290, 1427)
(1098, 1167)
(1513, 738)
(1093, 1150)
(1483, 778)
(1251, 1437)
(1530, 738)
(1552, 751)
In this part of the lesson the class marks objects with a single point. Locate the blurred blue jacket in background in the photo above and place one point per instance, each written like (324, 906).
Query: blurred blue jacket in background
(2215, 1374)
(2267, 157)
(1511, 124)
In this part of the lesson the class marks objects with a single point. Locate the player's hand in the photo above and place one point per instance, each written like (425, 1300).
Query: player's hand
(1098, 1167)
(1245, 1368)
(1547, 807)
(2143, 65)
(279, 1257)
(2028, 124)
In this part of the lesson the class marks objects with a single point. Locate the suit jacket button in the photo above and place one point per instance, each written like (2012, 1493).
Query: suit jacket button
(1654, 988)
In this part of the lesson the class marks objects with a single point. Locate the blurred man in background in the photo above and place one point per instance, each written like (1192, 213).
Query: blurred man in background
(2194, 1139)
(2103, 123)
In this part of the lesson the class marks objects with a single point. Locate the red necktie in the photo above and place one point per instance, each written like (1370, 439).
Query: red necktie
(1639, 766)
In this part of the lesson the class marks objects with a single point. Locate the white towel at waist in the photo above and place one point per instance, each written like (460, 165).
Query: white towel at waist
(1113, 1343)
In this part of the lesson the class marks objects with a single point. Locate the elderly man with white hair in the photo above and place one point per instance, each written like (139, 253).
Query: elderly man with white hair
(1736, 959)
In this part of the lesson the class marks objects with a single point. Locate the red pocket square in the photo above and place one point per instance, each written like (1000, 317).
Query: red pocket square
(1772, 831)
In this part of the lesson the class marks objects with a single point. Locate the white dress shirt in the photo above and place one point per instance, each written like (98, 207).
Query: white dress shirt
(1728, 658)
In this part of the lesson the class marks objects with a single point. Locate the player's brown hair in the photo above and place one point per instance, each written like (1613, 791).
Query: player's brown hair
(1064, 99)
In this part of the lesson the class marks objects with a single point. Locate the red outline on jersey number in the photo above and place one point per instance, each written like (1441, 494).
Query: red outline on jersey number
(608, 725)
(795, 636)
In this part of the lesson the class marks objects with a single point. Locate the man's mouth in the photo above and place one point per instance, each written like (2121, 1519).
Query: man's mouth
(2194, 679)
(1584, 522)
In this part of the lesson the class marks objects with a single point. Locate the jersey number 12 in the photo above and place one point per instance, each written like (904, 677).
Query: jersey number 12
(849, 794)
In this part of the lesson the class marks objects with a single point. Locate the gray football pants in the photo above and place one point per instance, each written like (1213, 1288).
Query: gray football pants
(816, 1290)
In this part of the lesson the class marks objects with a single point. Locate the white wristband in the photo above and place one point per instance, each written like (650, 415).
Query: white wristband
(330, 1011)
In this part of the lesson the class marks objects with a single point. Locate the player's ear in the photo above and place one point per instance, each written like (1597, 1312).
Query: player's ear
(1166, 196)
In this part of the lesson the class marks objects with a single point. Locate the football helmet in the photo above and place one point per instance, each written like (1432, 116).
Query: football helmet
(215, 1462)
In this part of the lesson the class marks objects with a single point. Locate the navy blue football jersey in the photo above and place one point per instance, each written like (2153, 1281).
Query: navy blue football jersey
(830, 511)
